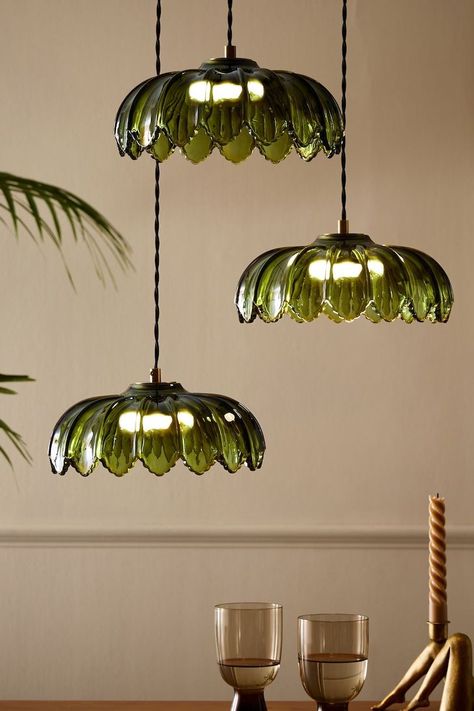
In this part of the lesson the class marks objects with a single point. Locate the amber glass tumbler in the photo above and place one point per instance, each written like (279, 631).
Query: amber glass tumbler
(332, 657)
(248, 644)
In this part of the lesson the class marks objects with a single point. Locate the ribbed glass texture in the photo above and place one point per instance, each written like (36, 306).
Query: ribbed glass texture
(344, 277)
(231, 104)
(157, 424)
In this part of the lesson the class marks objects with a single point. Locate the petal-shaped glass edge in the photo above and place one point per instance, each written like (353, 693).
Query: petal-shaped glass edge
(231, 104)
(344, 277)
(157, 424)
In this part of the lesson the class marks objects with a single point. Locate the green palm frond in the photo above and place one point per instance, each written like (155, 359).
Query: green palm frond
(43, 211)
(14, 437)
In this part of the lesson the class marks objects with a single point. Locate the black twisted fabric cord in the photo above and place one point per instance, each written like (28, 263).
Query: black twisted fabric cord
(157, 264)
(157, 205)
(343, 109)
(158, 38)
(230, 20)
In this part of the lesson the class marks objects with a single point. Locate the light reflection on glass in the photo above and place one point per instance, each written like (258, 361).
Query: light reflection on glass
(88, 453)
(229, 416)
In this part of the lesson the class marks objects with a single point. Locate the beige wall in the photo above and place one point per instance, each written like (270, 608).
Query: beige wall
(362, 422)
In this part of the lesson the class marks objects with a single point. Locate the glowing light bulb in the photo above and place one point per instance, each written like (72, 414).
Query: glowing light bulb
(346, 270)
(226, 91)
(319, 269)
(375, 266)
(129, 422)
(200, 91)
(156, 421)
(185, 418)
(256, 89)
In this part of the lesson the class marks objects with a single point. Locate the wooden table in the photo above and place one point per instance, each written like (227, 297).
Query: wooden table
(167, 706)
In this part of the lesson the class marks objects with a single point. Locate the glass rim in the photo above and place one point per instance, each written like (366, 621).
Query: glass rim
(248, 606)
(333, 617)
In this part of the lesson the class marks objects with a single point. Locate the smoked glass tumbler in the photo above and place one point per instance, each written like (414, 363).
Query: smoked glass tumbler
(332, 657)
(248, 644)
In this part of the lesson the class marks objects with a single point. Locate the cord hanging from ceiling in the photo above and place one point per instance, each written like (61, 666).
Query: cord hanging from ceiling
(230, 20)
(343, 110)
(232, 105)
(155, 372)
(344, 275)
(157, 423)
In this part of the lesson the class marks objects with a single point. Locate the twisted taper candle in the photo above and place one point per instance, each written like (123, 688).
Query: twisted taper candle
(438, 600)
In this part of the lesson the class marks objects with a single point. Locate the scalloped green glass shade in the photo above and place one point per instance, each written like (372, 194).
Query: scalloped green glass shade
(231, 104)
(157, 423)
(344, 277)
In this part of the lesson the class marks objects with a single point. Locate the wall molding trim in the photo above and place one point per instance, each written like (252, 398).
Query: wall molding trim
(460, 537)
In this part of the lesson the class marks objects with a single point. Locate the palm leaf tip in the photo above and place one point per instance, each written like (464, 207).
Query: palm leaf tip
(13, 437)
(49, 207)
(17, 441)
(15, 378)
(12, 379)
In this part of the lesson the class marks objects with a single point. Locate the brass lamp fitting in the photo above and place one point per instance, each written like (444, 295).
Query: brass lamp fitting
(343, 227)
(155, 375)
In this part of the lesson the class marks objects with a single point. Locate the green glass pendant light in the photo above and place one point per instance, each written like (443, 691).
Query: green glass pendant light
(344, 275)
(157, 423)
(233, 105)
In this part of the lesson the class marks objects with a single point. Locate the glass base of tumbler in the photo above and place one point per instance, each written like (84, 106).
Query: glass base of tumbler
(248, 701)
(323, 706)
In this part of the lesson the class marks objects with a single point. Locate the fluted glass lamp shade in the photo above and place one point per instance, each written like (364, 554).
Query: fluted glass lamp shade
(231, 104)
(157, 423)
(344, 276)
